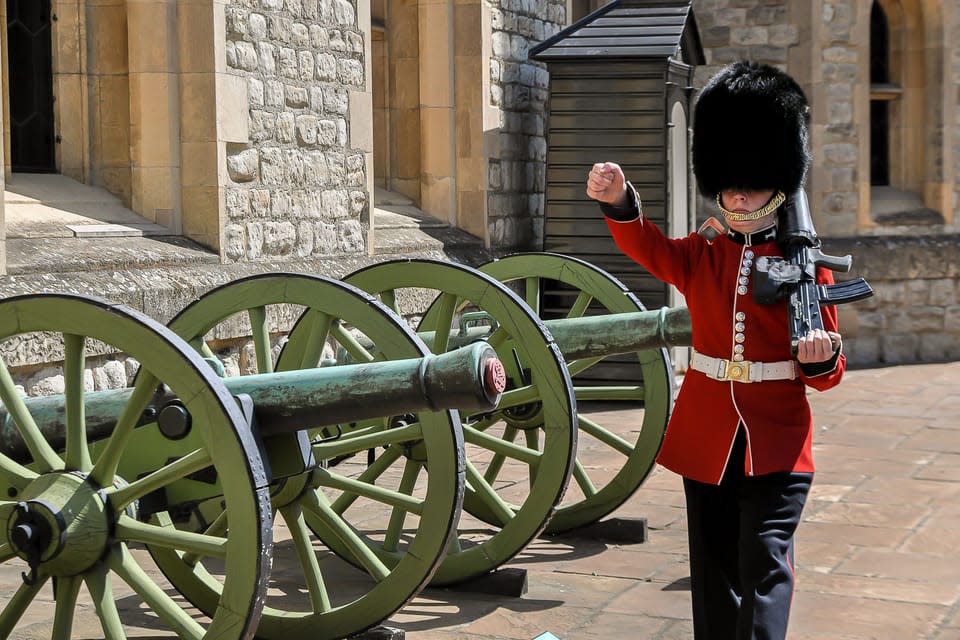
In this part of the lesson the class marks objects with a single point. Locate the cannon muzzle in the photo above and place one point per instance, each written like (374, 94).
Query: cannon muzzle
(471, 378)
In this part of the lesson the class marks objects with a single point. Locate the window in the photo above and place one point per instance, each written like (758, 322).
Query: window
(882, 93)
(904, 157)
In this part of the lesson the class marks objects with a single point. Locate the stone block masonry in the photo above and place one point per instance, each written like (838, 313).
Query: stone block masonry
(914, 315)
(296, 188)
(519, 89)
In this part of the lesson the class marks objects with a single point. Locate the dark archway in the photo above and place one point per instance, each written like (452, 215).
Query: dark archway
(30, 67)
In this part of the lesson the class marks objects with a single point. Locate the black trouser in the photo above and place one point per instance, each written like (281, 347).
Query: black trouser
(741, 550)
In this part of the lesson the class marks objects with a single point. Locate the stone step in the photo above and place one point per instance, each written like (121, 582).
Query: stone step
(56, 206)
(404, 216)
(400, 227)
(406, 240)
(383, 197)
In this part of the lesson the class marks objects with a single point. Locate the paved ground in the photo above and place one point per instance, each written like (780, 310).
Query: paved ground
(876, 551)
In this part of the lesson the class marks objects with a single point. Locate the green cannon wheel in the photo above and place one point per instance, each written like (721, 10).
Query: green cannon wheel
(78, 507)
(531, 434)
(366, 492)
(586, 289)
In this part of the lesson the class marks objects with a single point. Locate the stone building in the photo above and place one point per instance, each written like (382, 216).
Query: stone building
(155, 148)
(881, 76)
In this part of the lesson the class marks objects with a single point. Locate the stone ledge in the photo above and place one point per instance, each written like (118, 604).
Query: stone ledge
(162, 289)
(118, 230)
(160, 276)
(59, 255)
(900, 257)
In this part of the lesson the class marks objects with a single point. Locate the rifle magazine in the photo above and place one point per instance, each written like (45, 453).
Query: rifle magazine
(845, 292)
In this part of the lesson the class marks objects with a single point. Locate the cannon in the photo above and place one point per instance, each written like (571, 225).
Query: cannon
(585, 306)
(58, 515)
(172, 461)
(378, 485)
(382, 494)
(539, 406)
(531, 353)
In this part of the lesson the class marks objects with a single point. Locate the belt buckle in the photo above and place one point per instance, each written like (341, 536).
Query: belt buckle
(737, 371)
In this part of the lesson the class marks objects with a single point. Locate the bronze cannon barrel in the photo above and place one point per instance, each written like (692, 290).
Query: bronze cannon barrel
(616, 333)
(470, 378)
(602, 335)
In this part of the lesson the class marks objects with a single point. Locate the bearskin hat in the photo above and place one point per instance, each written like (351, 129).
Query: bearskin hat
(750, 130)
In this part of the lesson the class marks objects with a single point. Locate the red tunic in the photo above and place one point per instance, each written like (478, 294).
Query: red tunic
(775, 413)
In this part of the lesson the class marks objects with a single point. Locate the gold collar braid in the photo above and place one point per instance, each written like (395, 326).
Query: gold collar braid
(770, 207)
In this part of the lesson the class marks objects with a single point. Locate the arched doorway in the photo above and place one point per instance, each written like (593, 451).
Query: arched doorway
(30, 68)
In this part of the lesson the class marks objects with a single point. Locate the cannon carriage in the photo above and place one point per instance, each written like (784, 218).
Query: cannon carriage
(377, 479)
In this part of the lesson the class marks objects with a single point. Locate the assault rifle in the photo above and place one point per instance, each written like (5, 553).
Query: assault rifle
(795, 275)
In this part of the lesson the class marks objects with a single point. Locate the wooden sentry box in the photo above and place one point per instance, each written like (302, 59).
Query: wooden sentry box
(621, 90)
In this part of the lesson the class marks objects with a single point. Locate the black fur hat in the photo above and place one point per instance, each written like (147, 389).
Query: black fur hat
(750, 129)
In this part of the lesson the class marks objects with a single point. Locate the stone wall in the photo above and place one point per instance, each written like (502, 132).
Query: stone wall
(236, 356)
(914, 315)
(297, 188)
(835, 134)
(731, 30)
(519, 89)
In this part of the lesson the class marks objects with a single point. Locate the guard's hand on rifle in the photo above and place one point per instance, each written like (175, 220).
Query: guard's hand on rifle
(606, 183)
(817, 346)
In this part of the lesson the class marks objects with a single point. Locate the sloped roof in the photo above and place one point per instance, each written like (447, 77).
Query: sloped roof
(626, 29)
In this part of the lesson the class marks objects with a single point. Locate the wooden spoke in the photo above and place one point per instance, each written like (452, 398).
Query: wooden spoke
(176, 470)
(130, 530)
(98, 584)
(18, 605)
(126, 567)
(487, 494)
(319, 598)
(259, 325)
(66, 592)
(105, 468)
(357, 546)
(78, 454)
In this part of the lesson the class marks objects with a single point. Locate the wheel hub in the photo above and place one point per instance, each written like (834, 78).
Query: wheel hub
(62, 525)
(526, 416)
(286, 491)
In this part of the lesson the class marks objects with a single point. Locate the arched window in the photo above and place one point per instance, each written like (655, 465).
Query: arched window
(906, 154)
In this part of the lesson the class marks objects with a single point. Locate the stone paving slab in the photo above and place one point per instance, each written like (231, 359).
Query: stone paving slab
(876, 552)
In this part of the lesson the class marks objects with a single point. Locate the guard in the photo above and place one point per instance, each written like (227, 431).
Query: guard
(740, 434)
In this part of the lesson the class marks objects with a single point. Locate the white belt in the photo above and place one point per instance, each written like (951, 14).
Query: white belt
(743, 371)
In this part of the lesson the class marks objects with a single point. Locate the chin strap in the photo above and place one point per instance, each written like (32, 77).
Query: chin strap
(766, 209)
